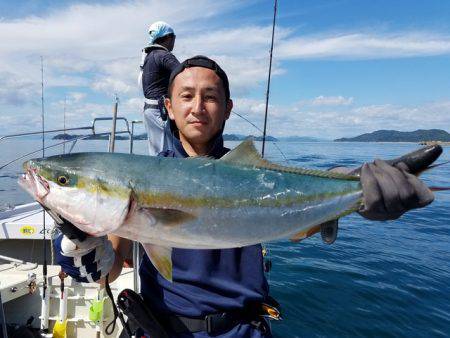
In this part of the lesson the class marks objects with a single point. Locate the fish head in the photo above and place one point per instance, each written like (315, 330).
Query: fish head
(82, 192)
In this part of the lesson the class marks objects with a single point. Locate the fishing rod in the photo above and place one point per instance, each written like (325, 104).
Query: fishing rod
(64, 123)
(265, 248)
(259, 129)
(268, 79)
(44, 266)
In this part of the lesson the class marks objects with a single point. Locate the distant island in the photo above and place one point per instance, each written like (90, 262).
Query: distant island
(69, 137)
(239, 137)
(226, 137)
(421, 135)
(301, 139)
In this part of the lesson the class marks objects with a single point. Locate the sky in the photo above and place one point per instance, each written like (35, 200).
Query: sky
(340, 68)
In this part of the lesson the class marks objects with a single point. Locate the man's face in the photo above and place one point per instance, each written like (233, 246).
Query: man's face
(198, 105)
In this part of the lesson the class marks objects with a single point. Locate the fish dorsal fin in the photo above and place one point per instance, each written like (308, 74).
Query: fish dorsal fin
(245, 154)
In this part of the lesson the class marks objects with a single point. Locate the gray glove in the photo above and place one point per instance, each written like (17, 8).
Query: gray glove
(390, 191)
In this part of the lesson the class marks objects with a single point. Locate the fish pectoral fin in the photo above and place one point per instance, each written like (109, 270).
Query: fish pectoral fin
(305, 233)
(161, 258)
(169, 217)
(328, 231)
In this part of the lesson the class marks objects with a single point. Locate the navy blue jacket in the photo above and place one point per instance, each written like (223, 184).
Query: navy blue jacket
(206, 281)
(158, 65)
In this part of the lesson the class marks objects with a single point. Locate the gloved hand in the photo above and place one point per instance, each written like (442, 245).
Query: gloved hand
(85, 261)
(390, 191)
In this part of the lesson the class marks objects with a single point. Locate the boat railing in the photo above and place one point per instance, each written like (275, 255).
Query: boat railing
(93, 128)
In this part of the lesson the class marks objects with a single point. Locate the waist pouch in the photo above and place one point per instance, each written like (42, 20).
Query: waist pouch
(159, 104)
(162, 108)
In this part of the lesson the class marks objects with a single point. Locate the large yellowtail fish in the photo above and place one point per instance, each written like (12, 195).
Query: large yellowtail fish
(198, 203)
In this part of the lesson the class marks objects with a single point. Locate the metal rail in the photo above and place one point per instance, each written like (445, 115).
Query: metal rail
(5, 137)
(110, 119)
(74, 140)
(132, 133)
(92, 128)
(3, 319)
(12, 260)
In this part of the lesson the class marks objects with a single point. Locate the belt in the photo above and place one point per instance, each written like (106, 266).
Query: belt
(211, 324)
(225, 321)
(150, 104)
(150, 101)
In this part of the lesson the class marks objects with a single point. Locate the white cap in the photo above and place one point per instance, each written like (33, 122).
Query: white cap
(159, 29)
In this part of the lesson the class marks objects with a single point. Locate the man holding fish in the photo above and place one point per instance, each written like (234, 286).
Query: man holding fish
(217, 292)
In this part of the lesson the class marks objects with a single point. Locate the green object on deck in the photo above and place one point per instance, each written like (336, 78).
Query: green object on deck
(96, 311)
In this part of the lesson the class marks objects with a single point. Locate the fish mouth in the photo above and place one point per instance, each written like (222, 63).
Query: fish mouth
(38, 187)
(34, 184)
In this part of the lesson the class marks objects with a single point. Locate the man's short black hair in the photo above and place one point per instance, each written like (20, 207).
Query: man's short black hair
(205, 62)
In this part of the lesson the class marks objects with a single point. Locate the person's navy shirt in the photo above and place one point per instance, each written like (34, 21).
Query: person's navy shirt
(206, 281)
(158, 65)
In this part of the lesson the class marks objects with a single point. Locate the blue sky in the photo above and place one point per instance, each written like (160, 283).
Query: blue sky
(341, 68)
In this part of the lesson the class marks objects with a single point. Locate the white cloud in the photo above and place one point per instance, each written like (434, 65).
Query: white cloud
(113, 30)
(133, 104)
(111, 85)
(76, 97)
(338, 121)
(90, 46)
(95, 49)
(355, 46)
(17, 90)
(331, 101)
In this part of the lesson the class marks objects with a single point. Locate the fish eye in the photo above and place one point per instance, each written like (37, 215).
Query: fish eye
(63, 180)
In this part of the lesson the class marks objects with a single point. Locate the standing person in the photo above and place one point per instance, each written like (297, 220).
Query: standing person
(157, 64)
(215, 293)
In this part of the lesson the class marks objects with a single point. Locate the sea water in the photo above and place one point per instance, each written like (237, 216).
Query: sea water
(378, 279)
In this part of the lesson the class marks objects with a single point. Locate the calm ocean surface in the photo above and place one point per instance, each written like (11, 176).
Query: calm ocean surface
(378, 279)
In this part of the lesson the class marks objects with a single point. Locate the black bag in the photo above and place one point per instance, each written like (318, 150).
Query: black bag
(139, 315)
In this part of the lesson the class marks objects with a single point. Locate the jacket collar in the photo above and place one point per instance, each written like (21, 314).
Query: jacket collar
(148, 48)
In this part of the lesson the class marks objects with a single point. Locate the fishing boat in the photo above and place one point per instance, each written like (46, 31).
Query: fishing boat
(36, 299)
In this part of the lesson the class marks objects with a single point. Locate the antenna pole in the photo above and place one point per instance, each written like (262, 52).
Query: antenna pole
(44, 266)
(64, 125)
(42, 106)
(268, 79)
